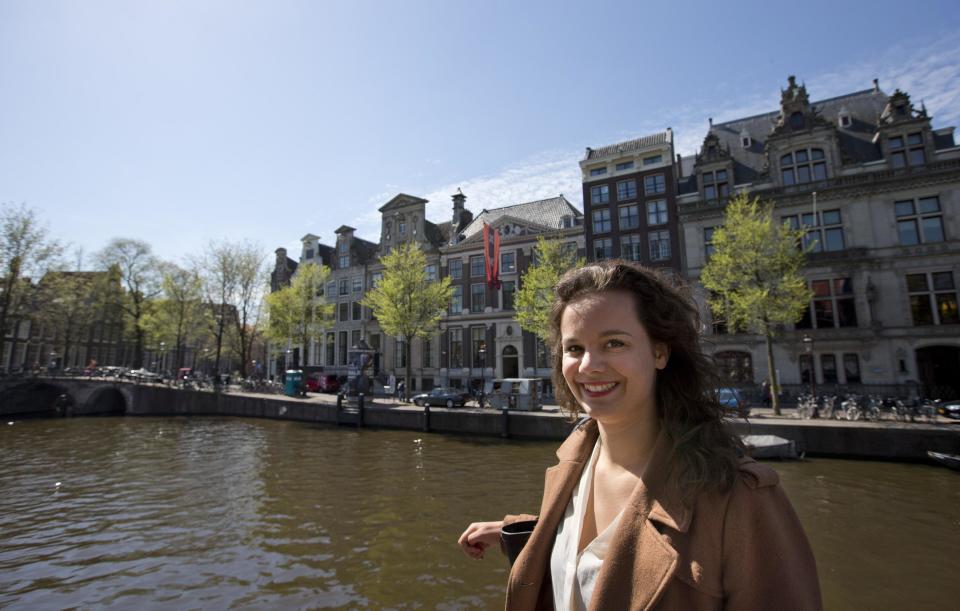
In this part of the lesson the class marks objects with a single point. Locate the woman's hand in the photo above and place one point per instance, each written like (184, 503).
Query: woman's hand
(479, 536)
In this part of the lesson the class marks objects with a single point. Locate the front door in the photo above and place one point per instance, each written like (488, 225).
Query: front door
(511, 362)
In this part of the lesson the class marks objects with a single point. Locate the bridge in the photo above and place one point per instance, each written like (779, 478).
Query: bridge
(61, 396)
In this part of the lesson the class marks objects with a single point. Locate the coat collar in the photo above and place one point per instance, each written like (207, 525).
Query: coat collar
(653, 498)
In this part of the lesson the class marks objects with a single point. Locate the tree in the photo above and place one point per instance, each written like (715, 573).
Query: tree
(179, 317)
(295, 313)
(535, 295)
(754, 275)
(405, 302)
(141, 277)
(26, 252)
(233, 278)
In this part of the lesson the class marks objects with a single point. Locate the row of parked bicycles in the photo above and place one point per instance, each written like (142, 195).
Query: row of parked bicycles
(873, 408)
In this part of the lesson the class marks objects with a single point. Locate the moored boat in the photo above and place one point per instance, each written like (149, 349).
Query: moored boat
(769, 446)
(947, 460)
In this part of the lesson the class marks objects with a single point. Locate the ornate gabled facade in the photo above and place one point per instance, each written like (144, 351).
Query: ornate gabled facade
(480, 337)
(877, 188)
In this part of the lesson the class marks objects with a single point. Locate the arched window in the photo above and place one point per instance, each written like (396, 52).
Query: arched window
(736, 366)
(796, 120)
(803, 166)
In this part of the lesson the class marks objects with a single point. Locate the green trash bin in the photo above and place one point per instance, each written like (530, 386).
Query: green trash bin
(293, 386)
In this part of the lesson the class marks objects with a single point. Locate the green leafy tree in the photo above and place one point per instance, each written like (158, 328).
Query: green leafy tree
(26, 251)
(139, 272)
(535, 296)
(179, 317)
(754, 275)
(298, 313)
(405, 302)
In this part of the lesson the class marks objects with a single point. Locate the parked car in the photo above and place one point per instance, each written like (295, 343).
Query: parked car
(448, 397)
(950, 409)
(732, 401)
(322, 382)
(142, 375)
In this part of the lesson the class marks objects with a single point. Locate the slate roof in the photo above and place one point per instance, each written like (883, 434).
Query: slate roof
(664, 137)
(544, 213)
(749, 165)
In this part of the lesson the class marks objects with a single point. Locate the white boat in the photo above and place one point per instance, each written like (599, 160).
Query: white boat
(769, 446)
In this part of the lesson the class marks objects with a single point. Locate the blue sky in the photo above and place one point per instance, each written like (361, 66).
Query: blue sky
(182, 121)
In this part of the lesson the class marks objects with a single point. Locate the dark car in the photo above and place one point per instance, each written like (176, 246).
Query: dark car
(732, 401)
(322, 382)
(950, 409)
(448, 397)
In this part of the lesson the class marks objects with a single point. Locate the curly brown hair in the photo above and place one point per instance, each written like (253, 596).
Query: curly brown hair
(706, 452)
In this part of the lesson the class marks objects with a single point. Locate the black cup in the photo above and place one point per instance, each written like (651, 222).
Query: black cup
(514, 536)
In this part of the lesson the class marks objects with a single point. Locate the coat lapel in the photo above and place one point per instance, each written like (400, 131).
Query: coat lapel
(531, 566)
(641, 562)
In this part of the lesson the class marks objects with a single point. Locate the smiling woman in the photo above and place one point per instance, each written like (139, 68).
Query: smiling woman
(653, 504)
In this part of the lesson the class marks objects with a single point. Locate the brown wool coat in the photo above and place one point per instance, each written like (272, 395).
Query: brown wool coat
(742, 550)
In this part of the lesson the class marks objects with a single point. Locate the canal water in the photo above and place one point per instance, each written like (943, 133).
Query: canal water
(234, 513)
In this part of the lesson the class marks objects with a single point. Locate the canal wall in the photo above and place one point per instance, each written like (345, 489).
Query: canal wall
(862, 440)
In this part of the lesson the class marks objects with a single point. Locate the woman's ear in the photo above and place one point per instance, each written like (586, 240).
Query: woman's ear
(661, 354)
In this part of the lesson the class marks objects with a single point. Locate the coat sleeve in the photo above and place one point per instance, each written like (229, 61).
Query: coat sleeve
(523, 517)
(767, 560)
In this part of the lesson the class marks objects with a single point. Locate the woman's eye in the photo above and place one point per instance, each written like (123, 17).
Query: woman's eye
(572, 349)
(615, 343)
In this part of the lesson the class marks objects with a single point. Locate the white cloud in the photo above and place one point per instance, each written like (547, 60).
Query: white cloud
(929, 73)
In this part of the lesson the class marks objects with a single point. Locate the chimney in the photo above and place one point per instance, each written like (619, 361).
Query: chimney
(679, 167)
(792, 80)
(876, 85)
(459, 215)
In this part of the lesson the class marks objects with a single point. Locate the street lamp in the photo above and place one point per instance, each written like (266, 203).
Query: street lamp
(483, 365)
(808, 348)
(53, 361)
(163, 353)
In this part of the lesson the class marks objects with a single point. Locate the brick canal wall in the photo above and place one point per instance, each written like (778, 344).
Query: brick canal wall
(887, 441)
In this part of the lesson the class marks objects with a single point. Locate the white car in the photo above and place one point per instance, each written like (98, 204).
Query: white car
(142, 375)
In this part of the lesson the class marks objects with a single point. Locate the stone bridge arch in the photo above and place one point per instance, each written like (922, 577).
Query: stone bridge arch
(53, 397)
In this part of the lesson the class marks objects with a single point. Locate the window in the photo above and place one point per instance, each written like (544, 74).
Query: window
(845, 122)
(431, 271)
(919, 221)
(344, 286)
(803, 166)
(400, 348)
(402, 230)
(343, 262)
(478, 342)
(343, 347)
(343, 312)
(657, 212)
(376, 278)
(708, 247)
(308, 254)
(736, 366)
(826, 234)
(630, 247)
(851, 368)
(601, 220)
(626, 189)
(659, 245)
(508, 262)
(626, 165)
(543, 355)
(358, 284)
(828, 368)
(456, 268)
(426, 353)
(832, 306)
(715, 185)
(477, 267)
(508, 288)
(936, 305)
(344, 247)
(456, 299)
(603, 249)
(357, 310)
(331, 347)
(654, 184)
(598, 171)
(331, 288)
(355, 337)
(456, 348)
(629, 216)
(600, 194)
(477, 294)
(912, 152)
(652, 160)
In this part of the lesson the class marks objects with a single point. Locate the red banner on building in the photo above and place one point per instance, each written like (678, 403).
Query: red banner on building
(491, 255)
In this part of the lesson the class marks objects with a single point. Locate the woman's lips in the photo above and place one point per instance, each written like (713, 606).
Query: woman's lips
(597, 389)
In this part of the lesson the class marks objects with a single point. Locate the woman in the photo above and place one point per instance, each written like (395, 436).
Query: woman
(652, 504)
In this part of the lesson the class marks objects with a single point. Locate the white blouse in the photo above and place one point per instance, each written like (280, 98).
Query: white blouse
(574, 575)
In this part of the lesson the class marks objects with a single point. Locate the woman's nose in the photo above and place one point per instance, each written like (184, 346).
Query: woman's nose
(590, 361)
